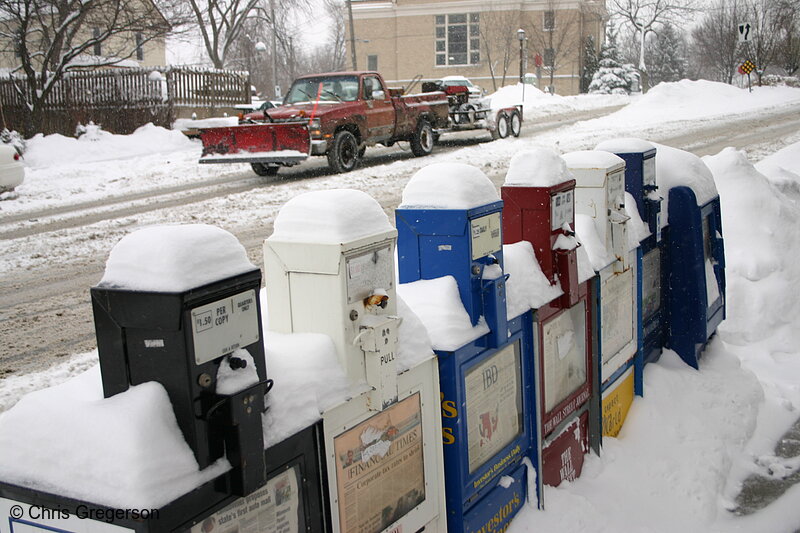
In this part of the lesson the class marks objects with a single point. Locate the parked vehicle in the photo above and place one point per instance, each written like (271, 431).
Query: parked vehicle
(475, 92)
(12, 170)
(338, 115)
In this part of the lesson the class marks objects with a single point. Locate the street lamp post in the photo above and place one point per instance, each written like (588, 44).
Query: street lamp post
(521, 37)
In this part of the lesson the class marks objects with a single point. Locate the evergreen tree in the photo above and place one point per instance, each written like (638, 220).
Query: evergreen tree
(612, 76)
(667, 53)
(590, 62)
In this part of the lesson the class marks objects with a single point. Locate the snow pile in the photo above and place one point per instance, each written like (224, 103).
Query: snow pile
(637, 228)
(174, 259)
(586, 231)
(123, 451)
(587, 165)
(331, 216)
(537, 167)
(448, 186)
(679, 168)
(438, 305)
(53, 150)
(413, 342)
(538, 103)
(230, 380)
(307, 380)
(625, 145)
(527, 286)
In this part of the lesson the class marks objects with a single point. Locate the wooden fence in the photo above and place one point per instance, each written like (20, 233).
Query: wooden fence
(121, 100)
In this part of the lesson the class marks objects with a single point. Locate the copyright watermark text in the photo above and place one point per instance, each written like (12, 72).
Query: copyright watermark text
(82, 512)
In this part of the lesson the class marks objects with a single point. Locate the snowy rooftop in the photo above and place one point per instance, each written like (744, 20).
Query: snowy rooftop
(537, 167)
(174, 258)
(331, 216)
(448, 186)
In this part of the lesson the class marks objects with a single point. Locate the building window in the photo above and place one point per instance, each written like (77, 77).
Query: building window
(98, 47)
(372, 63)
(549, 20)
(139, 47)
(549, 57)
(458, 39)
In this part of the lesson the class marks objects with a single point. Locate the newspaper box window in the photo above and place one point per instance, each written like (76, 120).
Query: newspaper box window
(451, 273)
(539, 220)
(603, 225)
(695, 260)
(330, 269)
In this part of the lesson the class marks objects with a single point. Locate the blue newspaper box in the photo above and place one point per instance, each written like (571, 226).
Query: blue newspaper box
(640, 182)
(449, 224)
(695, 260)
(600, 201)
(539, 207)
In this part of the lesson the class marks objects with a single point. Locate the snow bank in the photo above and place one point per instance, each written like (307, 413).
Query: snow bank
(527, 286)
(308, 379)
(537, 167)
(538, 103)
(676, 168)
(438, 305)
(123, 451)
(332, 216)
(57, 150)
(174, 258)
(448, 186)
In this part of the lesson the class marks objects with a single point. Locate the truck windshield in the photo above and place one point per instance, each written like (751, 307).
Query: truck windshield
(331, 89)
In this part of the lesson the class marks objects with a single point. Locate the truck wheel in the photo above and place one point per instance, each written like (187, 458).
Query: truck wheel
(343, 154)
(516, 123)
(265, 170)
(501, 128)
(422, 141)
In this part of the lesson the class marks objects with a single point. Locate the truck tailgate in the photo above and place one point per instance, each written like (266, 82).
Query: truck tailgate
(287, 142)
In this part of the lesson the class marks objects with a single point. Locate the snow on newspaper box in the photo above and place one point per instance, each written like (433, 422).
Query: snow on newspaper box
(640, 183)
(695, 261)
(602, 225)
(450, 236)
(330, 269)
(178, 438)
(539, 207)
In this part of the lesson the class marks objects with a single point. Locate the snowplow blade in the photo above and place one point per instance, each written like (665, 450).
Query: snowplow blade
(286, 143)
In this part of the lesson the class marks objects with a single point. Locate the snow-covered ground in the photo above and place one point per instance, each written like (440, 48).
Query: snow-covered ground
(694, 436)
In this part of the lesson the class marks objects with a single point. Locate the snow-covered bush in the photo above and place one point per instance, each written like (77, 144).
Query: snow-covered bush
(613, 78)
(774, 79)
(14, 139)
(90, 132)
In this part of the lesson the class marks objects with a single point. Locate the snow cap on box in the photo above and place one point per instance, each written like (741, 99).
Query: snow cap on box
(174, 258)
(676, 168)
(332, 216)
(625, 145)
(592, 159)
(537, 167)
(448, 186)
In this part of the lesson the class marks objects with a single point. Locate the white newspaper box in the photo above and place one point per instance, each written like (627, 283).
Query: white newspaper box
(330, 268)
(600, 195)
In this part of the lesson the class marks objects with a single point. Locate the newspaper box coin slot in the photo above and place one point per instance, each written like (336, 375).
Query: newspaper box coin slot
(539, 196)
(486, 383)
(330, 269)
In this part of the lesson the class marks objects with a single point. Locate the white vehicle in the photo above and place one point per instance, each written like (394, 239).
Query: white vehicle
(12, 171)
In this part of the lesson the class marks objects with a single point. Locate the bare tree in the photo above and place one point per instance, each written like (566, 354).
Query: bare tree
(715, 40)
(553, 36)
(762, 47)
(52, 37)
(788, 49)
(498, 32)
(645, 17)
(221, 22)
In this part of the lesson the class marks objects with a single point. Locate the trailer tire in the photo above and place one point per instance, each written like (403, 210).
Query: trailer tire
(343, 154)
(264, 169)
(501, 128)
(422, 141)
(516, 123)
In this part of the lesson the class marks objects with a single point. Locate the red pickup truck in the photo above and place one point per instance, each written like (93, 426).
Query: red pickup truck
(336, 114)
